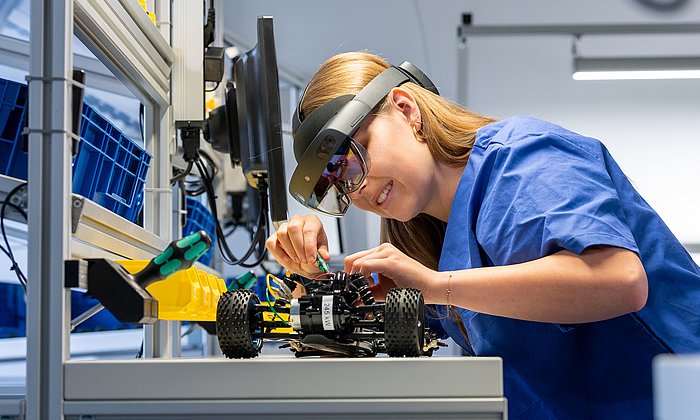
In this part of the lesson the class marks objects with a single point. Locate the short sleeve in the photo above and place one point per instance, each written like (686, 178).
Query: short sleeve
(546, 193)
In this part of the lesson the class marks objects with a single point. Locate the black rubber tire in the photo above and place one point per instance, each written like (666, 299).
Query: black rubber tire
(235, 322)
(404, 323)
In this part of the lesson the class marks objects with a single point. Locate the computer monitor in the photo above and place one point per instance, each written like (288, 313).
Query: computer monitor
(249, 126)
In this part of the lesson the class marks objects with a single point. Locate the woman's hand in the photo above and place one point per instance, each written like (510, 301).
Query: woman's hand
(296, 242)
(393, 267)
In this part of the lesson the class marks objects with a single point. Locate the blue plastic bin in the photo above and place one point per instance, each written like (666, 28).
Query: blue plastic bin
(101, 321)
(13, 105)
(13, 315)
(200, 218)
(109, 169)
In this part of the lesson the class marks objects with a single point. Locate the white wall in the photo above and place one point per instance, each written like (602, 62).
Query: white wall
(649, 127)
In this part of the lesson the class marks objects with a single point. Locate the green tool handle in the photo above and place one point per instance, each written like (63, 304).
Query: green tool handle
(179, 255)
(322, 264)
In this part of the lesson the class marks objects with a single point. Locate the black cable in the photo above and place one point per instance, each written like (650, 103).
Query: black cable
(263, 229)
(223, 245)
(186, 187)
(226, 253)
(231, 231)
(8, 251)
(260, 233)
(15, 267)
(195, 188)
(18, 209)
(182, 174)
(214, 168)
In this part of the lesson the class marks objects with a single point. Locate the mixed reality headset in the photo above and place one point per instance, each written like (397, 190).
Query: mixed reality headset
(330, 164)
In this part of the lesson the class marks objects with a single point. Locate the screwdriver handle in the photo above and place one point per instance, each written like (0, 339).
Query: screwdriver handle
(179, 255)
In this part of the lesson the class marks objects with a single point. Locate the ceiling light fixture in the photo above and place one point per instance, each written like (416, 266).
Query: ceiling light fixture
(636, 68)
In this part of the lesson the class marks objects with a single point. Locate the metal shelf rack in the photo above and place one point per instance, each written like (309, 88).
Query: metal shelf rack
(63, 226)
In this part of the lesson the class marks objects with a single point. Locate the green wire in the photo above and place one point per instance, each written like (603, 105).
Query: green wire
(277, 315)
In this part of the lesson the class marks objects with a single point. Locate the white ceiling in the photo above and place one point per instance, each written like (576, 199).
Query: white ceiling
(424, 32)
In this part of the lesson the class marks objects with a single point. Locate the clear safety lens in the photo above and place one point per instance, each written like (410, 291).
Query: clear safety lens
(343, 175)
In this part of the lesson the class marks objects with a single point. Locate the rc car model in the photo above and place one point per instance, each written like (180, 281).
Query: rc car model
(335, 316)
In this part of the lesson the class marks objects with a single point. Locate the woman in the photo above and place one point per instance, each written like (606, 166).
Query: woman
(530, 233)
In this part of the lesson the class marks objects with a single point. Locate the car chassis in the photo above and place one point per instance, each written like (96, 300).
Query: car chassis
(337, 316)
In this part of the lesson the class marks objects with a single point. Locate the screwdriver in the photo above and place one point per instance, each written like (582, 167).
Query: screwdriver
(179, 255)
(322, 264)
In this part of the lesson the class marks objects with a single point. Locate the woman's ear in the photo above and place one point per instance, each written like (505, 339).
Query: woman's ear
(407, 105)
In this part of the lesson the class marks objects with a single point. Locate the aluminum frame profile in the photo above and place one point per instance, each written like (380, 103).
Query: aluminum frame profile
(99, 233)
(128, 44)
(16, 52)
(462, 386)
(100, 227)
(188, 66)
(48, 302)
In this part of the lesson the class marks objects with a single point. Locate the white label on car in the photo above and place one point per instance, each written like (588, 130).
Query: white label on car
(295, 315)
(327, 312)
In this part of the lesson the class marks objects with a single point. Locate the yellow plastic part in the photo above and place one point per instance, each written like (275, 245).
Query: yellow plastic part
(152, 16)
(188, 295)
(269, 316)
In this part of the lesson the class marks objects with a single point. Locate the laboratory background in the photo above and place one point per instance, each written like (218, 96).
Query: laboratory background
(120, 144)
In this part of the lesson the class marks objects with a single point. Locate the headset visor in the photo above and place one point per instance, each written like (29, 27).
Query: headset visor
(343, 175)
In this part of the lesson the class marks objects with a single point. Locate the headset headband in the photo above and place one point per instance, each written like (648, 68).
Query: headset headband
(326, 131)
(305, 129)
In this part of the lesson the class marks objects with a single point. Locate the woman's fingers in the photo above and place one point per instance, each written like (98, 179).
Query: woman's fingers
(273, 245)
(373, 259)
(350, 260)
(285, 243)
(295, 232)
(322, 244)
(313, 235)
(296, 242)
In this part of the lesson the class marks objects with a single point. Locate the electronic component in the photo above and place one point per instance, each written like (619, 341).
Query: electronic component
(337, 316)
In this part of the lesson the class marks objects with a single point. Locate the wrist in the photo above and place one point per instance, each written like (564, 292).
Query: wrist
(441, 291)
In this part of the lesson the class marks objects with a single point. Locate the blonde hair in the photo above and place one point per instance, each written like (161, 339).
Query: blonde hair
(448, 129)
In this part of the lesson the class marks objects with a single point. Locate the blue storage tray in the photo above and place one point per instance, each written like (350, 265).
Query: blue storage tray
(13, 316)
(109, 169)
(200, 218)
(13, 105)
(101, 321)
(13, 319)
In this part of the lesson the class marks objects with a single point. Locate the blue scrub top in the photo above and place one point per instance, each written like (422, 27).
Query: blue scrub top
(530, 189)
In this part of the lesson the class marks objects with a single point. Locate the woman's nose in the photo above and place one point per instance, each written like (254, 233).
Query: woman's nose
(355, 195)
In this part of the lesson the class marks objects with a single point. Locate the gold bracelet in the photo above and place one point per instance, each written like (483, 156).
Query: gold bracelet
(448, 291)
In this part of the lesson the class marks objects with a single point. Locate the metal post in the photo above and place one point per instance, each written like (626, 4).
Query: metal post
(48, 302)
(163, 338)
